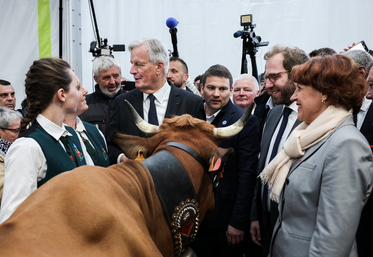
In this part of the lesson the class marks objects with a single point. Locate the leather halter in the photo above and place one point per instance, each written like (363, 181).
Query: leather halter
(176, 193)
(190, 151)
(214, 177)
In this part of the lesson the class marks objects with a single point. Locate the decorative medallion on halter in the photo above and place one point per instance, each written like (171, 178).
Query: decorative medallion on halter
(185, 224)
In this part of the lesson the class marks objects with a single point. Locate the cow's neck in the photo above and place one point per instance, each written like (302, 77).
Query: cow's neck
(178, 197)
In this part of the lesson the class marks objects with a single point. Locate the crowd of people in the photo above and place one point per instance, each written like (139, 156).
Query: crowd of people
(302, 173)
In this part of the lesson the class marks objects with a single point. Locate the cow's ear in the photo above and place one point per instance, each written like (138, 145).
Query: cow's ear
(218, 159)
(133, 147)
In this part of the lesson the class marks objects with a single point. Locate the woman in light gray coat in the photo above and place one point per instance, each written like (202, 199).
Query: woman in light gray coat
(323, 176)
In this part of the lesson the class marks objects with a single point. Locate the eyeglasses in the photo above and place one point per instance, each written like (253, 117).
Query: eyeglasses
(15, 131)
(274, 76)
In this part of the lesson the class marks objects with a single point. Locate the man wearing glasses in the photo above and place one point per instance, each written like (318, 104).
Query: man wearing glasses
(281, 120)
(9, 130)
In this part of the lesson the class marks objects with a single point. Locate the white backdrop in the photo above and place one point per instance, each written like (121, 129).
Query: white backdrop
(19, 44)
(205, 30)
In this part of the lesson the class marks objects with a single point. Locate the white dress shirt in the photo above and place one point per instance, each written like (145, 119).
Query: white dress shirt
(291, 120)
(211, 118)
(161, 101)
(25, 165)
(363, 112)
(82, 132)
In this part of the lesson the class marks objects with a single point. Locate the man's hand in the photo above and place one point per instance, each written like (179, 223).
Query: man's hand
(255, 232)
(347, 48)
(123, 158)
(234, 236)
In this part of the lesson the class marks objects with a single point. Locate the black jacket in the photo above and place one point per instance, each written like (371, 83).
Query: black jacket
(180, 102)
(98, 111)
(235, 192)
(261, 110)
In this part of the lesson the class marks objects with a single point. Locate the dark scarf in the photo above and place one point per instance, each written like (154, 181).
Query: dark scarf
(4, 146)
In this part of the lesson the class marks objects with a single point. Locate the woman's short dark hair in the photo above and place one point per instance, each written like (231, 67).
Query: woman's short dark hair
(335, 76)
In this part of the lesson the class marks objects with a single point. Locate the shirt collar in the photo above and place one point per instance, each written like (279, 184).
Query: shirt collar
(293, 107)
(161, 94)
(270, 103)
(365, 105)
(52, 128)
(79, 125)
(211, 118)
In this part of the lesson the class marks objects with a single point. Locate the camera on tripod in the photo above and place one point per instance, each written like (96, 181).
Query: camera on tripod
(104, 48)
(250, 43)
(249, 35)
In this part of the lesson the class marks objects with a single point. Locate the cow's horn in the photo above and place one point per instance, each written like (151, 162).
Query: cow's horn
(144, 126)
(235, 128)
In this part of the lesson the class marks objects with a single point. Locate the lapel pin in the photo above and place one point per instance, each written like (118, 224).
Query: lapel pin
(224, 122)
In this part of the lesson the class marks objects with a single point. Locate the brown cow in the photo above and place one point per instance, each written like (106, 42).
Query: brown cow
(115, 211)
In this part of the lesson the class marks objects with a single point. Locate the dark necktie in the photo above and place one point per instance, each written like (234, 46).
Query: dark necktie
(69, 151)
(285, 118)
(152, 114)
(90, 149)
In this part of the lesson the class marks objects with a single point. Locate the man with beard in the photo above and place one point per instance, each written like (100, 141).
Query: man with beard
(178, 72)
(107, 74)
(281, 120)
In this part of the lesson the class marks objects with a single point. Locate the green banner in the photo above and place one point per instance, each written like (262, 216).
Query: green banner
(44, 28)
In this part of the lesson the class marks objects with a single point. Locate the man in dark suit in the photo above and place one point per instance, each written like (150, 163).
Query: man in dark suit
(364, 122)
(280, 121)
(150, 61)
(223, 229)
(364, 237)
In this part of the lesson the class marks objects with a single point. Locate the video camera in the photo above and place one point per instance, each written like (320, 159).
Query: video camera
(250, 43)
(104, 49)
(249, 36)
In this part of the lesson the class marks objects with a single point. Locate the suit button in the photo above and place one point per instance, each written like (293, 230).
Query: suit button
(287, 181)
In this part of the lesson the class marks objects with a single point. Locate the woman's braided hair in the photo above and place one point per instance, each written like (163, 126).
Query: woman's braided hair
(44, 78)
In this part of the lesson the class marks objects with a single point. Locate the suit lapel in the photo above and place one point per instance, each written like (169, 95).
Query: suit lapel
(309, 152)
(367, 126)
(174, 103)
(271, 123)
(137, 102)
(224, 117)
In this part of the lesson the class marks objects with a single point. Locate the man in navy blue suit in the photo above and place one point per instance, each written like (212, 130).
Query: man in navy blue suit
(150, 61)
(223, 229)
